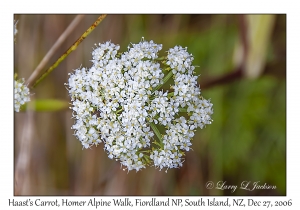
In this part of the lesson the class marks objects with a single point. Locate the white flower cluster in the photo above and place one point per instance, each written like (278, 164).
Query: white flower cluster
(119, 101)
(22, 94)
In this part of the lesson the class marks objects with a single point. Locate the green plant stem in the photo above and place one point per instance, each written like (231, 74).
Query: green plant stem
(118, 111)
(166, 78)
(170, 94)
(161, 58)
(72, 48)
(182, 109)
(156, 131)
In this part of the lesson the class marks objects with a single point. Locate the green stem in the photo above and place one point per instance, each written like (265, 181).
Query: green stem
(156, 131)
(161, 58)
(170, 94)
(182, 110)
(72, 48)
(118, 111)
(166, 78)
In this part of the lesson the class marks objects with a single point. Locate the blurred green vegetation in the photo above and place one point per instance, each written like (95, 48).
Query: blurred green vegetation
(245, 142)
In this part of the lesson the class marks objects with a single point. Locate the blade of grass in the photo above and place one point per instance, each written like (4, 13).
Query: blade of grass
(54, 48)
(72, 48)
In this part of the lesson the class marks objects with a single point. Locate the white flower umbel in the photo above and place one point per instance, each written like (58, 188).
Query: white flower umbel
(119, 101)
(22, 94)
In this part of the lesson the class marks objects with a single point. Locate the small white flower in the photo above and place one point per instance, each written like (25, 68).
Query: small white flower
(22, 94)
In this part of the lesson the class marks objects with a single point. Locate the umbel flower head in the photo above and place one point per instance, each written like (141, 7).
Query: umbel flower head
(22, 94)
(119, 101)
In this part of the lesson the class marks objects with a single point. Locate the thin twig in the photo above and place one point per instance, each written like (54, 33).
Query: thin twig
(72, 48)
(222, 79)
(276, 69)
(54, 48)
